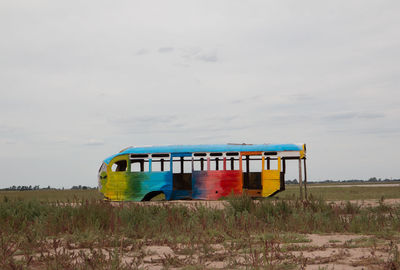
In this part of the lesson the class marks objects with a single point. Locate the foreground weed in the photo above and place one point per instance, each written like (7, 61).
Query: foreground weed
(240, 203)
(169, 261)
(393, 261)
(9, 245)
(363, 242)
(294, 238)
(267, 256)
(34, 232)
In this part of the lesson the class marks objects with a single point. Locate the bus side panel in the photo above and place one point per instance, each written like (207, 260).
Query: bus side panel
(115, 187)
(231, 181)
(141, 183)
(211, 185)
(271, 182)
(114, 184)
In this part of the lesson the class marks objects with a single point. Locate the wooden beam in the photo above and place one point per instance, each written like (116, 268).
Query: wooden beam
(305, 179)
(300, 180)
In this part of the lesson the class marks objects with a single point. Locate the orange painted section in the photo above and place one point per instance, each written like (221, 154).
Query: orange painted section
(251, 153)
(253, 192)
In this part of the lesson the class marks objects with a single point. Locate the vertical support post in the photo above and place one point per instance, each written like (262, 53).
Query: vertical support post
(300, 180)
(279, 164)
(241, 173)
(182, 165)
(305, 179)
(224, 163)
(263, 163)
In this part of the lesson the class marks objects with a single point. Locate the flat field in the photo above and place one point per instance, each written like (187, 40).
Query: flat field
(50, 229)
(52, 195)
(331, 192)
(346, 191)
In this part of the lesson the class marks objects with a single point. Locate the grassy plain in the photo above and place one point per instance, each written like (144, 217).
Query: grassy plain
(330, 192)
(52, 195)
(268, 234)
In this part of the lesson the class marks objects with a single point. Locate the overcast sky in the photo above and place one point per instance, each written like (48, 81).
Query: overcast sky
(80, 80)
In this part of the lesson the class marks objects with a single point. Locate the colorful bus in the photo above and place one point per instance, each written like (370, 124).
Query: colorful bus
(204, 172)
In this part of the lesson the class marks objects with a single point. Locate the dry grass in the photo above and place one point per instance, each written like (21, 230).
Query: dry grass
(266, 234)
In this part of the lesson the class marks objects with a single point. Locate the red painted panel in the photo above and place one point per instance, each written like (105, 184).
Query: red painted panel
(211, 185)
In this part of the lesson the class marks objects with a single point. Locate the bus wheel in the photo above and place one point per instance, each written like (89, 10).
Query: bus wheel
(154, 196)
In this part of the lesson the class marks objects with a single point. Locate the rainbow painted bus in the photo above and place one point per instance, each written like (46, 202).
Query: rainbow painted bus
(203, 172)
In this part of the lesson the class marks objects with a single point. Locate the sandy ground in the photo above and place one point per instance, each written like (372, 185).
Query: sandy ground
(330, 251)
(222, 204)
(336, 251)
(327, 251)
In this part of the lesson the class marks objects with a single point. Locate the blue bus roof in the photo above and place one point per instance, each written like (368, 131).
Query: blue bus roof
(173, 149)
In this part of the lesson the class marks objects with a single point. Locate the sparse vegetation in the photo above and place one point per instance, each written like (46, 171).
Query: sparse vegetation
(341, 192)
(292, 191)
(255, 234)
(52, 195)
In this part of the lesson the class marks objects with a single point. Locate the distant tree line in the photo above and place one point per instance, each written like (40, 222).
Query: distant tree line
(82, 187)
(22, 188)
(25, 188)
(372, 179)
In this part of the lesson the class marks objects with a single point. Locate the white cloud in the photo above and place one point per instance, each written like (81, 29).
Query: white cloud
(165, 49)
(94, 142)
(113, 75)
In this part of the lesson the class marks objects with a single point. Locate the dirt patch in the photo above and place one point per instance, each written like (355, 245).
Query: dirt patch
(325, 251)
(193, 204)
(343, 251)
(367, 203)
(335, 266)
(321, 240)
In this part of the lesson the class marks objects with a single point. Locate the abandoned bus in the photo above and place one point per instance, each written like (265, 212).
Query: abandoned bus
(205, 172)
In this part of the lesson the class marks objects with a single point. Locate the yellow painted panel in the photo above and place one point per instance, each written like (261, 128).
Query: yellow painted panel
(270, 182)
(117, 182)
(271, 174)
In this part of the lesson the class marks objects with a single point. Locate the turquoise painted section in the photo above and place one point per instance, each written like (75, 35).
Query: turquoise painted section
(181, 154)
(156, 181)
(141, 183)
(175, 149)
